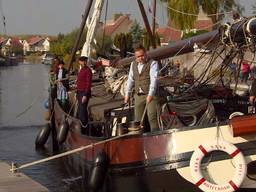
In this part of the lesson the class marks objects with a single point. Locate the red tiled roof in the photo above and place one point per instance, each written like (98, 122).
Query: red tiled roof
(16, 41)
(34, 40)
(110, 28)
(204, 24)
(2, 40)
(168, 34)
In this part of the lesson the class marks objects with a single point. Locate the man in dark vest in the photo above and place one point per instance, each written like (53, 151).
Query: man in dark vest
(143, 75)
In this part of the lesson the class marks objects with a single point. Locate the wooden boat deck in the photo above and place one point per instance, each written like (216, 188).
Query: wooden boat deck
(17, 182)
(102, 101)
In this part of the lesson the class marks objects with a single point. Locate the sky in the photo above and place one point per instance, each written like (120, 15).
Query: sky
(51, 17)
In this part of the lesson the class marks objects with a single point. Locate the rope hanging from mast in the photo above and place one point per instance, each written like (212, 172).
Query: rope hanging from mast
(105, 21)
(3, 17)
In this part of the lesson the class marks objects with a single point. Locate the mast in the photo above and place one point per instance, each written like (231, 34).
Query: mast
(80, 32)
(145, 19)
(154, 21)
(86, 51)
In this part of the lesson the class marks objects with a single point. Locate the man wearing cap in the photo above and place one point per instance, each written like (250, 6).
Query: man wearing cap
(84, 83)
(143, 75)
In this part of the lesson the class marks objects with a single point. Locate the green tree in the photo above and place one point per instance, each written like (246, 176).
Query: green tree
(129, 42)
(184, 21)
(117, 40)
(157, 39)
(64, 43)
(146, 41)
(60, 36)
(211, 7)
(103, 45)
(136, 32)
(181, 20)
(120, 42)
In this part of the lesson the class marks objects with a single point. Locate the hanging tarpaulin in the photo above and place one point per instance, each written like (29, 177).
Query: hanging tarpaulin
(92, 28)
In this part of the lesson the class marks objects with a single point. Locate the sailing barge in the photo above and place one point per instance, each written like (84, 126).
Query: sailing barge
(189, 158)
(195, 158)
(160, 161)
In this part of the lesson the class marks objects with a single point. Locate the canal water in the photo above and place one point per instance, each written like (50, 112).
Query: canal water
(23, 90)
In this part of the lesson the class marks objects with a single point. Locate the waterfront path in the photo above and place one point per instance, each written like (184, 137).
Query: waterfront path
(17, 182)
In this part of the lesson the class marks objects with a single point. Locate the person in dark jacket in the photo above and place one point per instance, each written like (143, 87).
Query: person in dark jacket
(62, 81)
(52, 78)
(84, 83)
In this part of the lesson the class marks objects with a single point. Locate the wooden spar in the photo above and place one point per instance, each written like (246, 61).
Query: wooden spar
(238, 32)
(80, 32)
(145, 19)
(177, 48)
(154, 22)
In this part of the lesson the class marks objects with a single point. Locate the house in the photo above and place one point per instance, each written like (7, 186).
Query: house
(38, 44)
(10, 45)
(33, 44)
(120, 24)
(15, 43)
(26, 47)
(3, 42)
(168, 34)
(173, 33)
(203, 22)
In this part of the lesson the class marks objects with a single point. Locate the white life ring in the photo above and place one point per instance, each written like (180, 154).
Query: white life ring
(238, 160)
(235, 114)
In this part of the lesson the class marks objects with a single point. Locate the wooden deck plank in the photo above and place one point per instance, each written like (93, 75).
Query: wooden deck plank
(17, 182)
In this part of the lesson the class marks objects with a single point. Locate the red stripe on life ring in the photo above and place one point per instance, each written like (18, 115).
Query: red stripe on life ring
(235, 153)
(200, 182)
(203, 150)
(233, 185)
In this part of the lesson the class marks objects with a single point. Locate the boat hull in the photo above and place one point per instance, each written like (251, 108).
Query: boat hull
(137, 179)
(156, 161)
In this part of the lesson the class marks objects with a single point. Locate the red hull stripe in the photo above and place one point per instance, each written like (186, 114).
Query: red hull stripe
(203, 150)
(200, 182)
(233, 185)
(235, 153)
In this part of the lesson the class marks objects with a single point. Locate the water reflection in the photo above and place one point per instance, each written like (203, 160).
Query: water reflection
(23, 89)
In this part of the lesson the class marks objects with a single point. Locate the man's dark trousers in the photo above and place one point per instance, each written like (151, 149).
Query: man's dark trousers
(82, 109)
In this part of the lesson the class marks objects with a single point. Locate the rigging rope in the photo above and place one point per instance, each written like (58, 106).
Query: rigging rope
(15, 168)
(3, 17)
(104, 30)
(192, 14)
(203, 28)
(174, 56)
